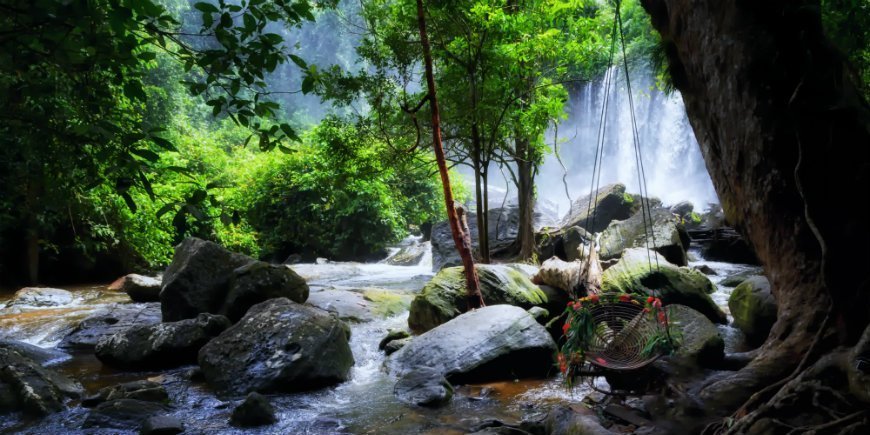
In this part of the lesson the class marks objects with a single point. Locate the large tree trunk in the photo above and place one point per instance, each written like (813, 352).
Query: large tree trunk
(785, 136)
(462, 241)
(526, 200)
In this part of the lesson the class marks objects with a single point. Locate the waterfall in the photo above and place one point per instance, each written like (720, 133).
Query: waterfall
(674, 168)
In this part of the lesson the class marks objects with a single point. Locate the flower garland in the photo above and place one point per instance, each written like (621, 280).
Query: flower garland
(579, 330)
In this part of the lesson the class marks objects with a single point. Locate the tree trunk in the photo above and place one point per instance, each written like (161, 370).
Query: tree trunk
(473, 295)
(784, 132)
(526, 199)
(479, 195)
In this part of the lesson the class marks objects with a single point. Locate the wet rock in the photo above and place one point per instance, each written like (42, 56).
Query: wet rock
(109, 321)
(144, 390)
(162, 345)
(409, 255)
(423, 387)
(674, 285)
(668, 238)
(347, 305)
(700, 342)
(259, 281)
(724, 244)
(197, 280)
(495, 342)
(736, 279)
(754, 308)
(393, 334)
(706, 270)
(612, 204)
(162, 425)
(27, 386)
(40, 297)
(395, 345)
(278, 346)
(443, 298)
(206, 278)
(254, 411)
(125, 414)
(141, 288)
(44, 357)
(574, 238)
(570, 420)
(682, 209)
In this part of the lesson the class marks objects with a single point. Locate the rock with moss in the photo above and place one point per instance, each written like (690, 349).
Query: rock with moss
(609, 203)
(443, 298)
(641, 271)
(667, 237)
(698, 338)
(754, 308)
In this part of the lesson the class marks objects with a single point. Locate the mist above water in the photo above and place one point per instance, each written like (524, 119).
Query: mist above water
(674, 168)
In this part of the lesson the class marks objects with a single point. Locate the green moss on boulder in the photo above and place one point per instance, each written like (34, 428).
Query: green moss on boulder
(443, 298)
(673, 284)
(754, 308)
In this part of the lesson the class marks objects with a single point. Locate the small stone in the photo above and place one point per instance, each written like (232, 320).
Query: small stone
(423, 387)
(162, 425)
(393, 334)
(254, 411)
(395, 345)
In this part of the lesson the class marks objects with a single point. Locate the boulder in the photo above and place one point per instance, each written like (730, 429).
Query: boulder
(254, 411)
(572, 420)
(162, 345)
(682, 209)
(699, 339)
(673, 284)
(609, 203)
(409, 255)
(443, 298)
(198, 278)
(667, 236)
(109, 321)
(44, 357)
(706, 270)
(491, 343)
(141, 288)
(393, 334)
(27, 386)
(754, 308)
(123, 414)
(258, 281)
(162, 425)
(423, 387)
(347, 305)
(278, 346)
(40, 297)
(736, 279)
(144, 390)
(391, 347)
(574, 238)
(206, 278)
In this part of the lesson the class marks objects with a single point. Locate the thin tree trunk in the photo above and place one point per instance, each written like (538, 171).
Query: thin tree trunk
(473, 295)
(480, 207)
(526, 199)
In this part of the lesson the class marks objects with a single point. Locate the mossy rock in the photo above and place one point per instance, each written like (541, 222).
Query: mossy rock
(610, 203)
(387, 303)
(443, 298)
(698, 338)
(667, 237)
(673, 284)
(754, 308)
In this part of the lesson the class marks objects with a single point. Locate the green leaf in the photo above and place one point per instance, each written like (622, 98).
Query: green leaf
(129, 200)
(165, 209)
(134, 91)
(149, 155)
(163, 143)
(299, 61)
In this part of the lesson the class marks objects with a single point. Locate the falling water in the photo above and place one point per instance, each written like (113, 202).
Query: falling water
(674, 168)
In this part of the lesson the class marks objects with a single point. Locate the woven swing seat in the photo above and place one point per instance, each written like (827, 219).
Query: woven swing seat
(622, 330)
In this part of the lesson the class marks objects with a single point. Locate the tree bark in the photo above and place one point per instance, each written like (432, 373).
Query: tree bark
(473, 295)
(785, 135)
(526, 200)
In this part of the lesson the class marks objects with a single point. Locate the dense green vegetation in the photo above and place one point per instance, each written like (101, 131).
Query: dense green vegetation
(127, 125)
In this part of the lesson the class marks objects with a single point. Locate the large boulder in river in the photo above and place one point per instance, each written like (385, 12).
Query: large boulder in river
(258, 281)
(278, 346)
(609, 203)
(443, 298)
(206, 278)
(40, 297)
(141, 288)
(667, 237)
(27, 386)
(109, 321)
(494, 342)
(754, 308)
(44, 357)
(699, 339)
(642, 271)
(162, 345)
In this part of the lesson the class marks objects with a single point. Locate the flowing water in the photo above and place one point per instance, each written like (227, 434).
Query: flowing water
(363, 405)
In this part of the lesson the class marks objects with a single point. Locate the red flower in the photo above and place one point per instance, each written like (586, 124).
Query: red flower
(662, 317)
(624, 298)
(565, 327)
(650, 300)
(657, 303)
(594, 298)
(646, 310)
(577, 306)
(570, 303)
